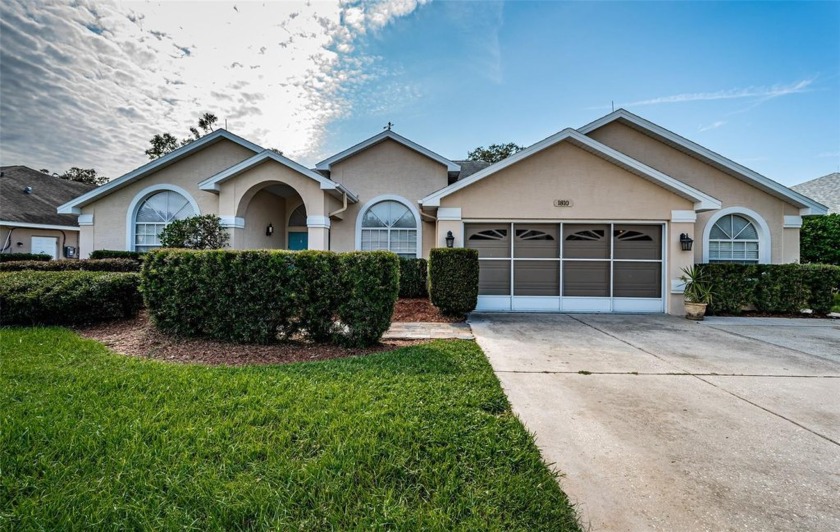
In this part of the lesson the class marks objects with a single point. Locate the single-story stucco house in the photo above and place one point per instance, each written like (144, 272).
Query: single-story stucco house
(29, 222)
(589, 219)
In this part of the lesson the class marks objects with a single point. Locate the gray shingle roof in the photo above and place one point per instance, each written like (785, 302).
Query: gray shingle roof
(468, 168)
(825, 189)
(39, 206)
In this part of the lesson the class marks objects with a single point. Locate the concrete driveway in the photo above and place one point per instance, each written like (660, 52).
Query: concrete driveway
(661, 423)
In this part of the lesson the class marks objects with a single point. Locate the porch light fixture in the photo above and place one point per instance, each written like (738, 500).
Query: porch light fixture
(686, 242)
(269, 230)
(450, 239)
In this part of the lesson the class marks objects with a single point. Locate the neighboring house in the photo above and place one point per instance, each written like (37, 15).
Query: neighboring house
(586, 220)
(825, 189)
(29, 222)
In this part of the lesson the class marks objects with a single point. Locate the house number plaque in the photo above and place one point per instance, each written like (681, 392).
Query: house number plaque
(563, 203)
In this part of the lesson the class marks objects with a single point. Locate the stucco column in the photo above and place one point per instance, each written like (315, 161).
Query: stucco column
(677, 260)
(449, 219)
(319, 232)
(86, 235)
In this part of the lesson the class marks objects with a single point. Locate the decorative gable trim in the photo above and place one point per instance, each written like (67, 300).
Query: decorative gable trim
(702, 201)
(806, 205)
(74, 206)
(385, 135)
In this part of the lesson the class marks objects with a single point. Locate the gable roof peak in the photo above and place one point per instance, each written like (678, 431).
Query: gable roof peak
(387, 134)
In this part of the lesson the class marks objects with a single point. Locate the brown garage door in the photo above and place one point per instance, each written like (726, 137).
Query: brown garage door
(569, 260)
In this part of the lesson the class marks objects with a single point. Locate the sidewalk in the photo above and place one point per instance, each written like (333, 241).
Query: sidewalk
(428, 331)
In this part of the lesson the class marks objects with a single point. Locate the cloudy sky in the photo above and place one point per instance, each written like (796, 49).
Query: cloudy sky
(88, 83)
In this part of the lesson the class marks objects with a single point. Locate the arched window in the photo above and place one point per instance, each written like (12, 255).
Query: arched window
(733, 238)
(389, 225)
(156, 212)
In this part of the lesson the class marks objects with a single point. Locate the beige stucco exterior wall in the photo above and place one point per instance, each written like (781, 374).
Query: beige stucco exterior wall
(731, 192)
(110, 212)
(265, 208)
(386, 168)
(599, 189)
(24, 236)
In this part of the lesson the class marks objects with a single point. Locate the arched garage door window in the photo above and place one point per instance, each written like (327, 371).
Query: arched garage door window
(734, 238)
(156, 212)
(389, 225)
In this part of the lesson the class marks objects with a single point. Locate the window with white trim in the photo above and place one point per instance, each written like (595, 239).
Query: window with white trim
(156, 212)
(733, 238)
(389, 225)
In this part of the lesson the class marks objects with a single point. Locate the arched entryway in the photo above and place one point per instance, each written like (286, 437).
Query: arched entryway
(267, 210)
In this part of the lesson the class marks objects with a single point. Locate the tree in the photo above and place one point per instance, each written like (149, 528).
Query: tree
(196, 232)
(820, 239)
(494, 153)
(161, 145)
(84, 175)
(164, 143)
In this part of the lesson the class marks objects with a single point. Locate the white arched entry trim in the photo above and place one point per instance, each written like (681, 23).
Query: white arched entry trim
(764, 241)
(398, 199)
(141, 196)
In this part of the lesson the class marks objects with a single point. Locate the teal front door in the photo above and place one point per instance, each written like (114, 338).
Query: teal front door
(298, 241)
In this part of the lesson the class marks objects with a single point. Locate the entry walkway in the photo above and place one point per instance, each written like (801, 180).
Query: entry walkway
(428, 331)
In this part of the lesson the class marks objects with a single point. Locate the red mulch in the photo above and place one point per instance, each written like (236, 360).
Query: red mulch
(420, 309)
(138, 337)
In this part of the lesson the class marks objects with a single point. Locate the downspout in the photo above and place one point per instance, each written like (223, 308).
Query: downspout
(8, 243)
(342, 209)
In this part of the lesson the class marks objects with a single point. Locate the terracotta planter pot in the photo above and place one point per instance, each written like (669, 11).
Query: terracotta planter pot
(695, 311)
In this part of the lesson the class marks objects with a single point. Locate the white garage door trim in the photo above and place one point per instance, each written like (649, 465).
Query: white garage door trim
(514, 303)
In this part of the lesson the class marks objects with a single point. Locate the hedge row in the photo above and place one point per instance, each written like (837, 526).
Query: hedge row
(453, 280)
(14, 257)
(413, 277)
(67, 298)
(259, 296)
(772, 288)
(116, 254)
(91, 265)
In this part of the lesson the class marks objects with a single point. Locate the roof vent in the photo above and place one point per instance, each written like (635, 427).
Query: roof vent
(27, 190)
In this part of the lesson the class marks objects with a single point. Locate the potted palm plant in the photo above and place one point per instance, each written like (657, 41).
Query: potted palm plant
(698, 293)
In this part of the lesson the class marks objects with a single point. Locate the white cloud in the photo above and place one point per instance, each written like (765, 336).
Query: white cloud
(712, 126)
(761, 94)
(88, 84)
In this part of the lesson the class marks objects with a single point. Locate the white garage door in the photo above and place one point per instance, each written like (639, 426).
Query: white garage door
(47, 245)
(572, 267)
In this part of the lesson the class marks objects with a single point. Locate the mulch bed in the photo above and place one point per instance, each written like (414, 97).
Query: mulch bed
(420, 309)
(138, 337)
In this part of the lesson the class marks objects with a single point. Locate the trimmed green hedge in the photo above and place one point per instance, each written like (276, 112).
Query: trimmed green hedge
(413, 277)
(66, 298)
(772, 288)
(91, 265)
(453, 280)
(13, 257)
(259, 296)
(116, 254)
(820, 239)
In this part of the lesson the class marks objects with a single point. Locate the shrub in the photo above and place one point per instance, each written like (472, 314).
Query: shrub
(453, 280)
(196, 232)
(820, 239)
(258, 296)
(317, 290)
(65, 298)
(370, 286)
(12, 257)
(772, 288)
(413, 277)
(91, 265)
(117, 254)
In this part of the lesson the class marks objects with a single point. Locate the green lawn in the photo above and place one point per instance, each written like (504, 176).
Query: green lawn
(418, 438)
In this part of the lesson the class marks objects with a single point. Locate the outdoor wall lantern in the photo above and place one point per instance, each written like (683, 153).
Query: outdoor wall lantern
(686, 242)
(450, 240)
(269, 230)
